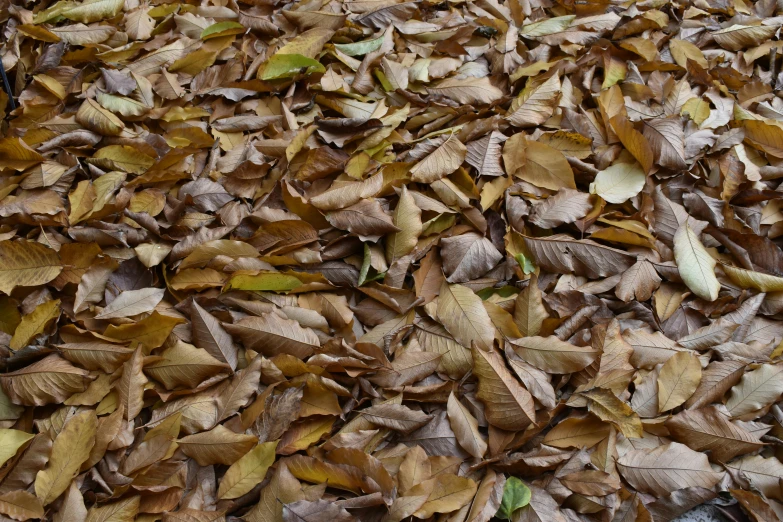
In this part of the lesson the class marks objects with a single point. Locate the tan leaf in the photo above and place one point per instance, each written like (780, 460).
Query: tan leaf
(21, 505)
(48, 381)
(465, 428)
(444, 155)
(217, 446)
(707, 430)
(467, 257)
(132, 302)
(564, 207)
(679, 378)
(183, 365)
(667, 468)
(467, 90)
(272, 335)
(449, 493)
(464, 316)
(553, 355)
(508, 405)
(695, 265)
(536, 103)
(756, 389)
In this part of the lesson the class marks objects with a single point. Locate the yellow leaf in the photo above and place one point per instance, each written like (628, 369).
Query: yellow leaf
(16, 155)
(682, 51)
(247, 472)
(35, 323)
(544, 167)
(70, 449)
(606, 406)
(10, 442)
(26, 263)
(97, 119)
(449, 493)
(406, 217)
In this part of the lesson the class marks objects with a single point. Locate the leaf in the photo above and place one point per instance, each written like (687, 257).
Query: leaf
(183, 365)
(395, 417)
(304, 510)
(695, 265)
(132, 302)
(467, 90)
(560, 253)
(564, 207)
(463, 314)
(606, 406)
(486, 154)
(708, 430)
(70, 449)
(467, 257)
(682, 51)
(508, 405)
(248, 471)
(667, 141)
(92, 10)
(272, 335)
(407, 218)
(48, 381)
(465, 427)
(756, 389)
(516, 495)
(122, 511)
(17, 155)
(97, 119)
(679, 378)
(553, 355)
(217, 446)
(21, 505)
(10, 442)
(529, 310)
(210, 335)
(544, 166)
(763, 474)
(536, 103)
(633, 141)
(289, 65)
(366, 219)
(25, 263)
(737, 37)
(619, 183)
(35, 324)
(443, 156)
(131, 385)
(751, 279)
(449, 493)
(666, 468)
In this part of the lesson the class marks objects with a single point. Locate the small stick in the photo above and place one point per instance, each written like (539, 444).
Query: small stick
(773, 55)
(7, 86)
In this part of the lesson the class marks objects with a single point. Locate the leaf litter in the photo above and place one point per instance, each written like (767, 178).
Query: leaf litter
(387, 260)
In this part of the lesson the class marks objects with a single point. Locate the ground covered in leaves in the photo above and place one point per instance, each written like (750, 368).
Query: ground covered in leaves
(386, 260)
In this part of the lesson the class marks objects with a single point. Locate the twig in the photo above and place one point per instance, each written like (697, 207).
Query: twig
(7, 86)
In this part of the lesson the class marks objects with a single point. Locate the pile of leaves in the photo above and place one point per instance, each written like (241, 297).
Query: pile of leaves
(386, 260)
